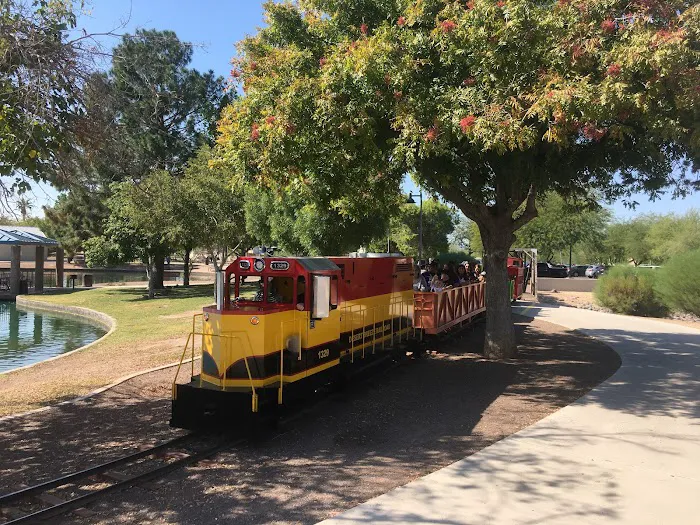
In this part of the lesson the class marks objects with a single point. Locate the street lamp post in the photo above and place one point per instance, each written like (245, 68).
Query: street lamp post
(420, 219)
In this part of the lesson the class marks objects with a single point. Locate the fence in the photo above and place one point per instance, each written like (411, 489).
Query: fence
(28, 276)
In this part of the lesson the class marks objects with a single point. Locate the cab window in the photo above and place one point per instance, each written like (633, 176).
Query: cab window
(280, 290)
(301, 292)
(251, 288)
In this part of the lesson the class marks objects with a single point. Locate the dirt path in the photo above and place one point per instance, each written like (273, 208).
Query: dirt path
(381, 434)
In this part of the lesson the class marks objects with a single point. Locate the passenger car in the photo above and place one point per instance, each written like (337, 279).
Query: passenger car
(594, 271)
(577, 270)
(545, 269)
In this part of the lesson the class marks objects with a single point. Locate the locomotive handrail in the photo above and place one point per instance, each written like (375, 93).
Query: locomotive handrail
(190, 336)
(182, 358)
(394, 310)
(245, 361)
(229, 338)
(297, 323)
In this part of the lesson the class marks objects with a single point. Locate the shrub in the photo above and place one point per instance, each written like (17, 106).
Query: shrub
(628, 290)
(678, 282)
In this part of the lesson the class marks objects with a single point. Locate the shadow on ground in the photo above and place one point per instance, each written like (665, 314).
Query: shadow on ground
(378, 435)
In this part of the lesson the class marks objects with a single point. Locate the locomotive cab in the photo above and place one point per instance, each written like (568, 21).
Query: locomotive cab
(275, 317)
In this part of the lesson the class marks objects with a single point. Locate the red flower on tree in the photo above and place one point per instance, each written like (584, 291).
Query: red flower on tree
(253, 66)
(401, 21)
(270, 119)
(235, 73)
(254, 132)
(432, 134)
(500, 3)
(448, 26)
(608, 25)
(322, 62)
(469, 81)
(363, 29)
(593, 133)
(398, 94)
(470, 4)
(613, 70)
(467, 122)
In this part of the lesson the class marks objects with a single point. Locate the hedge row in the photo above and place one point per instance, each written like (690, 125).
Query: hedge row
(648, 292)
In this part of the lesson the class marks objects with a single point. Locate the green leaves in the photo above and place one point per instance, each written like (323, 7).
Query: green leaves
(557, 97)
(40, 81)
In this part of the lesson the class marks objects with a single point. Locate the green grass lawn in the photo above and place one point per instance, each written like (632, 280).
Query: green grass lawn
(140, 319)
(150, 333)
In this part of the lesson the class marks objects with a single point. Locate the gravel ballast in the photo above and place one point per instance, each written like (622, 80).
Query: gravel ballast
(379, 434)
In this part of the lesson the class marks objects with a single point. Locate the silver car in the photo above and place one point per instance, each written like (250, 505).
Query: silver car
(595, 271)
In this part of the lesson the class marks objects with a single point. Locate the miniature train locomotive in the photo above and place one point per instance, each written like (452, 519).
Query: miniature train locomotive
(284, 325)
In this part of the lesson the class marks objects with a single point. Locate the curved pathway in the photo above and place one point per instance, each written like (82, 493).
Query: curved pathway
(627, 452)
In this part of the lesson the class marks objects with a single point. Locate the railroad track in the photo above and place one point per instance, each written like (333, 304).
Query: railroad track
(73, 491)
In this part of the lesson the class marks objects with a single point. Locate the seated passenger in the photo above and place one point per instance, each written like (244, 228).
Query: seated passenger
(436, 284)
(424, 278)
(462, 276)
(446, 281)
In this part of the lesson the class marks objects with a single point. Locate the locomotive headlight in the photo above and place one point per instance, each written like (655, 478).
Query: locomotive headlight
(255, 320)
(259, 265)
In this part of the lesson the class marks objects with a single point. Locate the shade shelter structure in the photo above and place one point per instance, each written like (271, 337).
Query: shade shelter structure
(19, 238)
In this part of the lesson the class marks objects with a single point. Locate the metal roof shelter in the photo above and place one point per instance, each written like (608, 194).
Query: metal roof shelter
(15, 237)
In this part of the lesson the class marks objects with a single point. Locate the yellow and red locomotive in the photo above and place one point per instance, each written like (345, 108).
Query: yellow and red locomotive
(283, 324)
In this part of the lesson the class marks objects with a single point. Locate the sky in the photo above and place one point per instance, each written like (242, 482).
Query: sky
(214, 26)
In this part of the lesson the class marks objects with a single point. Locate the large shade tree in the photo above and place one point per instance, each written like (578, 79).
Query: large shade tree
(42, 70)
(298, 222)
(488, 103)
(438, 223)
(139, 226)
(164, 109)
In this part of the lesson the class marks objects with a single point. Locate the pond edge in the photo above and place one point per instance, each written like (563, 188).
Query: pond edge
(107, 322)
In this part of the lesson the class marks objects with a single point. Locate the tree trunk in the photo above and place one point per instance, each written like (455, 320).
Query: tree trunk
(151, 277)
(186, 268)
(156, 268)
(499, 342)
(159, 271)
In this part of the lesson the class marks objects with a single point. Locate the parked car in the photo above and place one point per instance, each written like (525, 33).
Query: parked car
(594, 271)
(546, 269)
(577, 270)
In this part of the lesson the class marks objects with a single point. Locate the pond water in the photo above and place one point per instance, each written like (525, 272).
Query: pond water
(27, 337)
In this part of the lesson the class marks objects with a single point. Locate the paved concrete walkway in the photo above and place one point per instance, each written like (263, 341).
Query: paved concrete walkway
(627, 452)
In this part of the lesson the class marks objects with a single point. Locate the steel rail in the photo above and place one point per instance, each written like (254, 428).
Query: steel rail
(81, 501)
(69, 478)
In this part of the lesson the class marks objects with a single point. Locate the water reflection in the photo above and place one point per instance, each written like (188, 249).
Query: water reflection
(27, 337)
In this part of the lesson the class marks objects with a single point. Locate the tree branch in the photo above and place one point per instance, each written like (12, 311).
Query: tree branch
(529, 213)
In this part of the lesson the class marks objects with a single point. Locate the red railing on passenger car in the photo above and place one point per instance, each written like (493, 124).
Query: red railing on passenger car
(436, 312)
